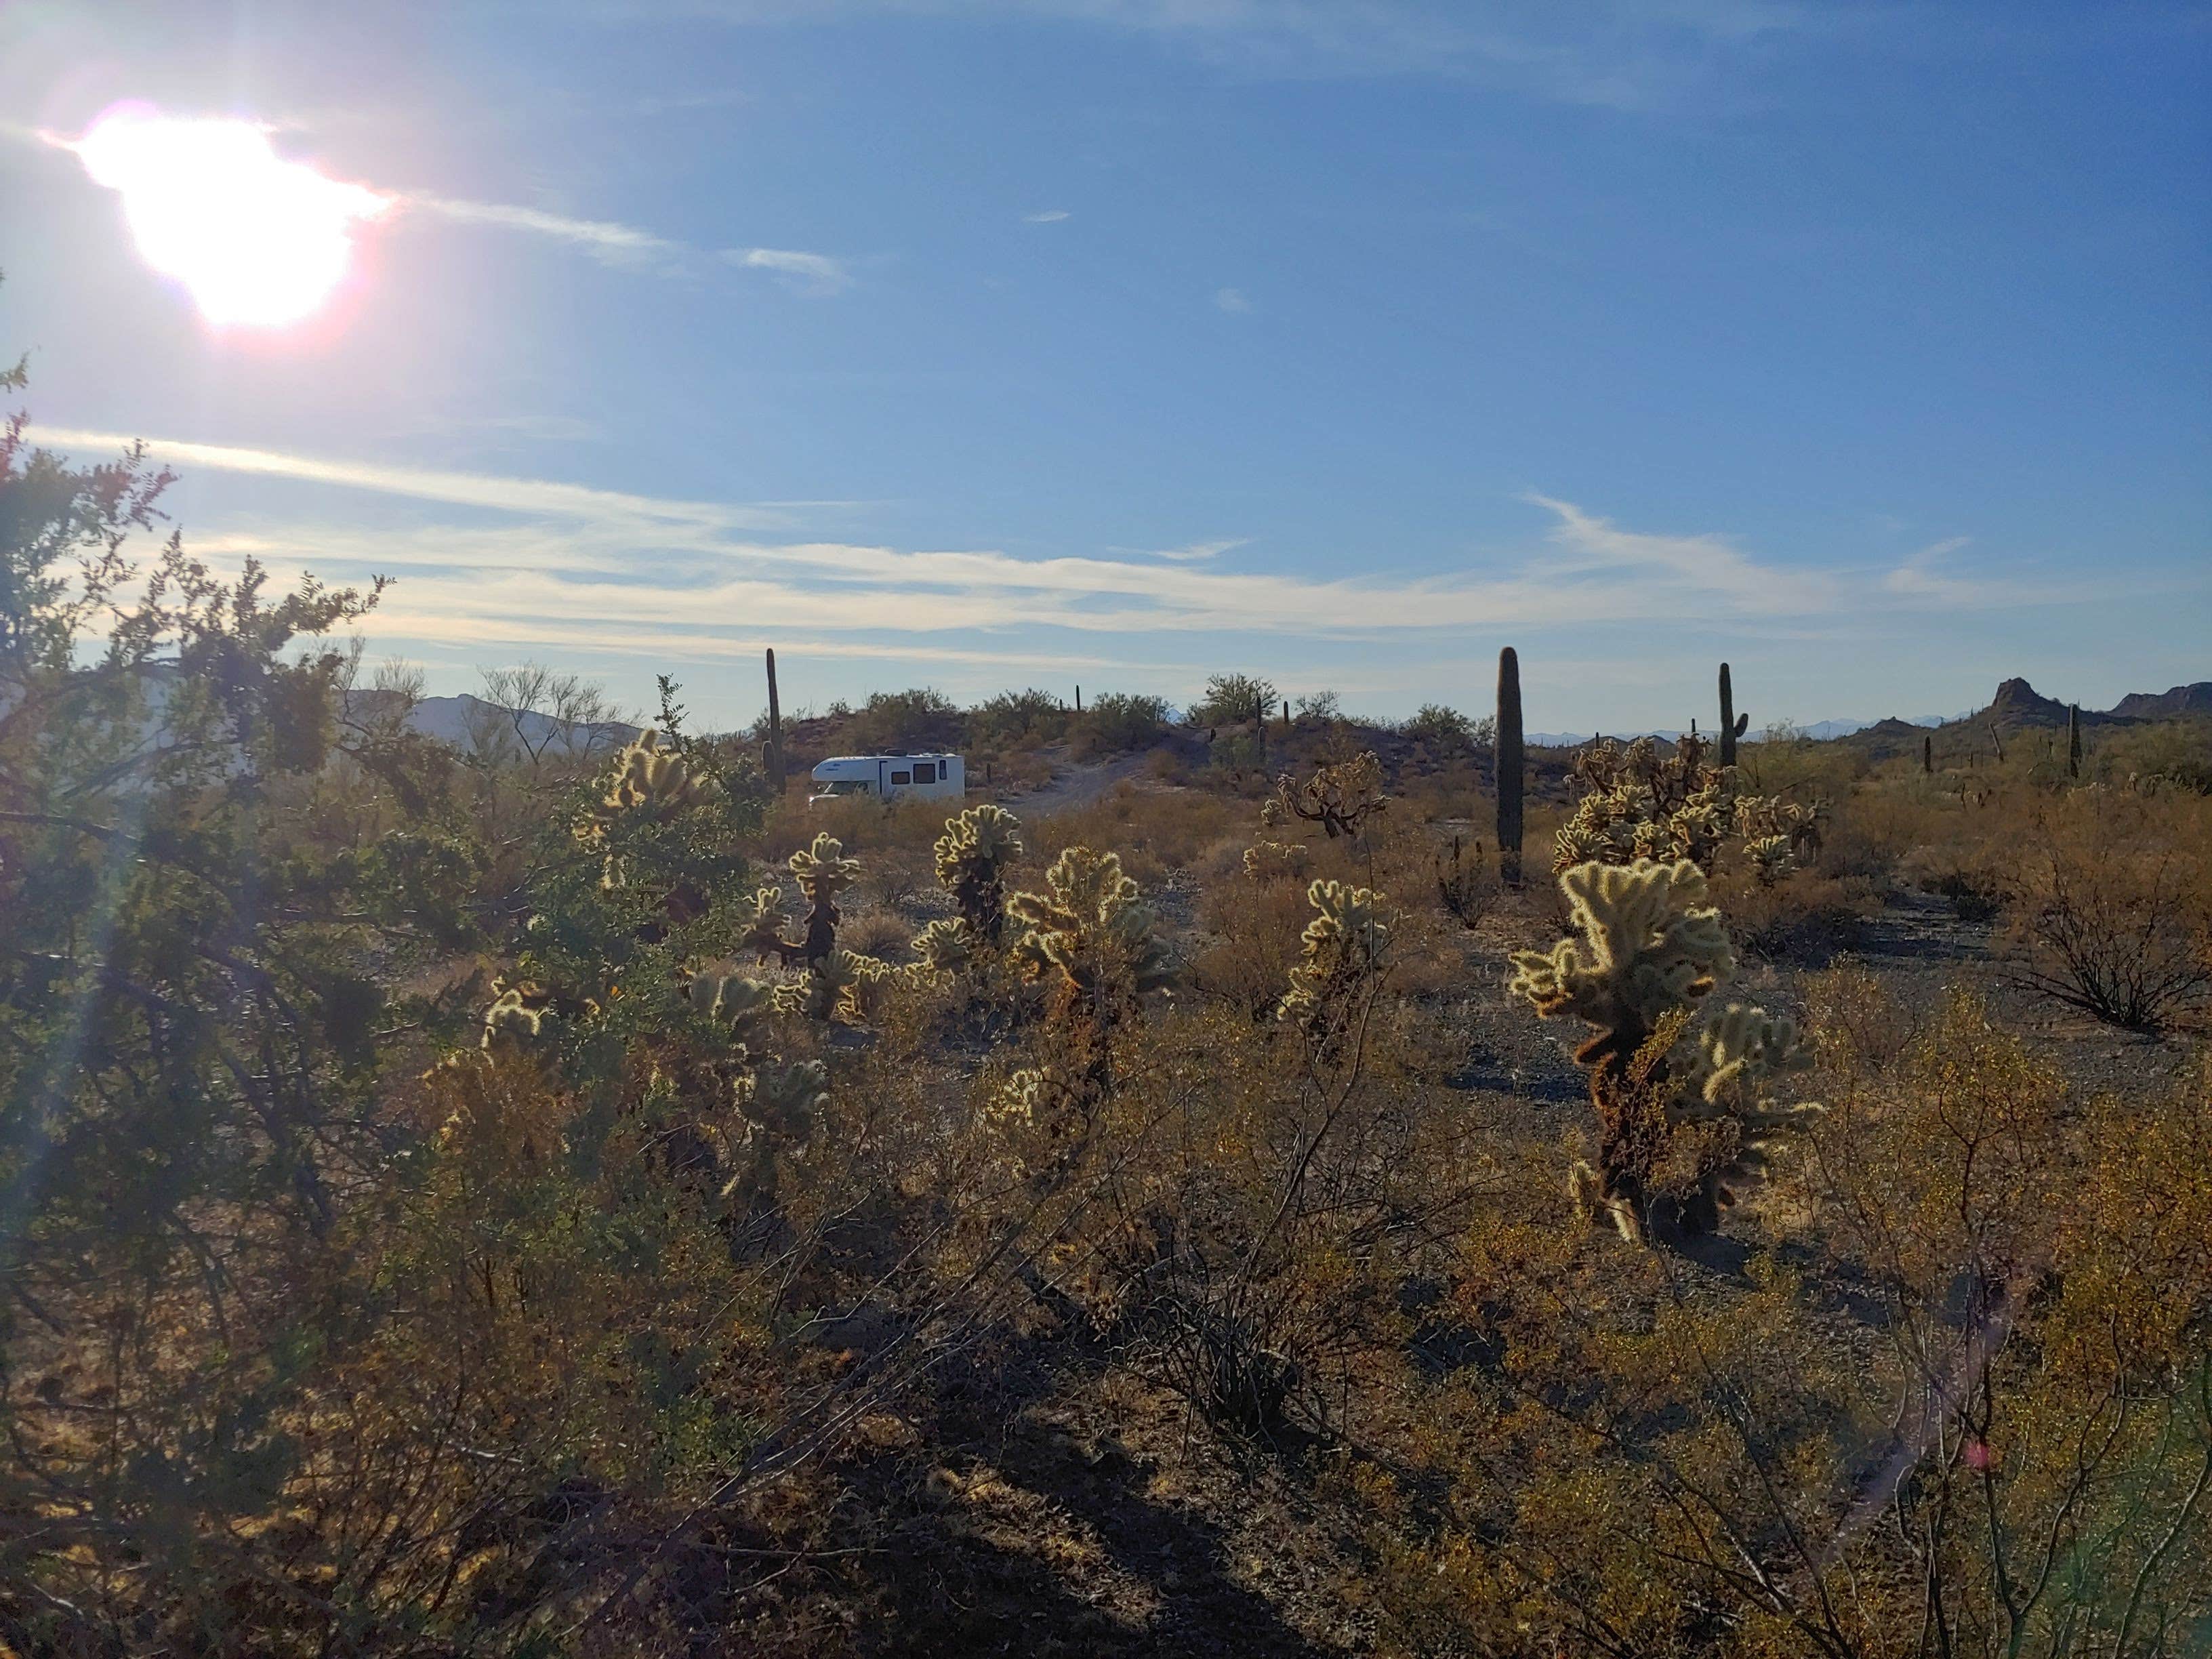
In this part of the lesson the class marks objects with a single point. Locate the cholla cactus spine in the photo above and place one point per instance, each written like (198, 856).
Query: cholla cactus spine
(776, 1107)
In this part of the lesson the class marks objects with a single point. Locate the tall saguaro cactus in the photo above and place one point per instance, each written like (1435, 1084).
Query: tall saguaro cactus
(775, 729)
(1732, 725)
(1927, 757)
(1510, 764)
(2073, 739)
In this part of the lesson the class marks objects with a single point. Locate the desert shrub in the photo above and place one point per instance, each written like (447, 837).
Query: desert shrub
(2111, 913)
(900, 722)
(1797, 913)
(1020, 715)
(1231, 698)
(1446, 732)
(1116, 722)
(2168, 755)
(1155, 833)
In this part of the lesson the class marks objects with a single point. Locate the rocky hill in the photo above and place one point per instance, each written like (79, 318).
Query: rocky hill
(2180, 703)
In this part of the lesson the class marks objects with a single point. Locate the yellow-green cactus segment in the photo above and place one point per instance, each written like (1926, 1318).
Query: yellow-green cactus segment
(1089, 927)
(1344, 942)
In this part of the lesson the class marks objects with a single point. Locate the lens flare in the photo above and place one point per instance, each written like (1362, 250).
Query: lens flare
(257, 240)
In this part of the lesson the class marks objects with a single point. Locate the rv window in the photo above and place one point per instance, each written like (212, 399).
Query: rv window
(901, 777)
(925, 772)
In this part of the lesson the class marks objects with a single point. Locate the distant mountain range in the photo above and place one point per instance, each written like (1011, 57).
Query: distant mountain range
(2017, 705)
(471, 723)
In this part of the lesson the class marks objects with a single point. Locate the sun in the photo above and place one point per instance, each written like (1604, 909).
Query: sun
(257, 240)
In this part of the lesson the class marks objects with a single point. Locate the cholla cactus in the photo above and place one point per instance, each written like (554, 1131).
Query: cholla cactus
(1641, 805)
(646, 780)
(842, 985)
(1649, 956)
(1345, 945)
(1091, 930)
(972, 856)
(743, 1005)
(1272, 813)
(823, 872)
(1799, 826)
(782, 1100)
(946, 946)
(1337, 797)
(518, 1016)
(1269, 861)
(764, 932)
(1045, 1097)
(776, 1108)
(1740, 1054)
(1770, 858)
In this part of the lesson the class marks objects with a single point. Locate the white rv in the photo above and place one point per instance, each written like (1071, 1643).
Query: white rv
(890, 777)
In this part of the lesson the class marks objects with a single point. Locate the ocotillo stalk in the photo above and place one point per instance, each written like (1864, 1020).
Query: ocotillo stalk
(1509, 758)
(2073, 739)
(1927, 757)
(1996, 742)
(774, 730)
(1733, 726)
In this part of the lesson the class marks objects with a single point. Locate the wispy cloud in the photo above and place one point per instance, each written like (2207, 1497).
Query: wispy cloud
(569, 563)
(1049, 216)
(605, 240)
(1707, 564)
(1189, 553)
(1932, 575)
(630, 247)
(1232, 299)
(812, 273)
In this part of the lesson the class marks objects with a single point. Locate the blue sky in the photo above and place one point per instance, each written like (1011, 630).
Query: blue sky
(1119, 342)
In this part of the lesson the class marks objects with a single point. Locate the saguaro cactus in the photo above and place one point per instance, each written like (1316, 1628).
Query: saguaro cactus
(1928, 757)
(1509, 762)
(2073, 739)
(774, 730)
(1732, 725)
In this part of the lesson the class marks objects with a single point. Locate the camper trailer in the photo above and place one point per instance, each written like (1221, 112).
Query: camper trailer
(890, 777)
